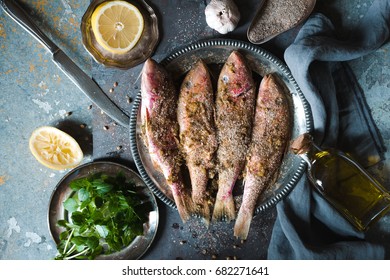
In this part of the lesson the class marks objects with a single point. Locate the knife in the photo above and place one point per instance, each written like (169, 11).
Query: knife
(78, 76)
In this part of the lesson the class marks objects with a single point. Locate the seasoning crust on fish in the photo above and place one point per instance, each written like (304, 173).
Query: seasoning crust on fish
(270, 137)
(160, 131)
(198, 140)
(235, 102)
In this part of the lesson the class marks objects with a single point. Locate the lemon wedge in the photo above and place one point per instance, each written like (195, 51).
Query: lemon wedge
(117, 26)
(54, 148)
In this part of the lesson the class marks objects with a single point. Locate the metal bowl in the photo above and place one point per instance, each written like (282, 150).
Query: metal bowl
(141, 51)
(62, 191)
(214, 53)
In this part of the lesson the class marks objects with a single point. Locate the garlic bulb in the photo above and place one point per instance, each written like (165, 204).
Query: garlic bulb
(222, 15)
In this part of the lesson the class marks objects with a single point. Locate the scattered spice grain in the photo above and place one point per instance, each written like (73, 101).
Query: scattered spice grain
(175, 226)
(129, 99)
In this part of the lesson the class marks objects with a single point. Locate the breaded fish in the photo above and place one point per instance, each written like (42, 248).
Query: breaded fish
(235, 103)
(198, 138)
(270, 137)
(161, 132)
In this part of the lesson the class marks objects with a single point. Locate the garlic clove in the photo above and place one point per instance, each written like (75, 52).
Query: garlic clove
(222, 15)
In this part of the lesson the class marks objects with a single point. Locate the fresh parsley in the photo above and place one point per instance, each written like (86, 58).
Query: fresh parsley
(105, 215)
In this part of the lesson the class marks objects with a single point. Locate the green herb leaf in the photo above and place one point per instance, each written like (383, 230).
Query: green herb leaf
(61, 223)
(102, 230)
(105, 211)
(83, 194)
(101, 187)
(78, 218)
(71, 204)
(79, 184)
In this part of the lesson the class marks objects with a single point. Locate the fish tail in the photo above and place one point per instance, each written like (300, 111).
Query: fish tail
(224, 209)
(200, 196)
(184, 205)
(242, 224)
(202, 209)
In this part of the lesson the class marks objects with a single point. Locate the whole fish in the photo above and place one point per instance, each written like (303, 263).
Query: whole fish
(160, 131)
(198, 133)
(270, 137)
(235, 102)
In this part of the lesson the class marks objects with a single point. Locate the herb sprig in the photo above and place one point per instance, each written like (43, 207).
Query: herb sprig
(105, 216)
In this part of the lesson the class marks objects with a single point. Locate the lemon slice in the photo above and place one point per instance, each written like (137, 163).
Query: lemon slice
(54, 148)
(117, 26)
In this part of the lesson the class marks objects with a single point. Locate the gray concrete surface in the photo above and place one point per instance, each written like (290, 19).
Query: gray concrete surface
(34, 92)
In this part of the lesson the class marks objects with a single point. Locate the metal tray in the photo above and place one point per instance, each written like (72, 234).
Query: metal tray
(214, 53)
(62, 191)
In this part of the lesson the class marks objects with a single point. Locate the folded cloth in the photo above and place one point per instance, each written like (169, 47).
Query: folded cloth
(307, 227)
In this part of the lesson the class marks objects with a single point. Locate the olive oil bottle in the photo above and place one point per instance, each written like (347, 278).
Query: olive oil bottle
(347, 186)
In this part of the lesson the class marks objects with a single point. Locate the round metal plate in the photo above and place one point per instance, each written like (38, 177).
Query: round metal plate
(62, 191)
(214, 53)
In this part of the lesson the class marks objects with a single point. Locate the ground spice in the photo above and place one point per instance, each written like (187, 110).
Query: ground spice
(277, 16)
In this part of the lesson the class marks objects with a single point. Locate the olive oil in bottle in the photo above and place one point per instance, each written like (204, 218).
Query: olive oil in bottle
(349, 188)
(344, 183)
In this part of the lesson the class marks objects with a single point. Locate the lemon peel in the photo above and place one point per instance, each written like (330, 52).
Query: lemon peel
(55, 148)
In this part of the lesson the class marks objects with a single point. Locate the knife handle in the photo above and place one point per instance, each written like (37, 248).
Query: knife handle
(16, 12)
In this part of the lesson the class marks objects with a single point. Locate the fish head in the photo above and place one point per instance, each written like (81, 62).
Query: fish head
(236, 76)
(197, 82)
(269, 90)
(153, 81)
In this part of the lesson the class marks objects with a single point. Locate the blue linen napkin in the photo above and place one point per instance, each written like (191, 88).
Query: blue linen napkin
(307, 227)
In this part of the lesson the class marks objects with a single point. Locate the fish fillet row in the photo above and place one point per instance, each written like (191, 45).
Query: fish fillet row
(237, 134)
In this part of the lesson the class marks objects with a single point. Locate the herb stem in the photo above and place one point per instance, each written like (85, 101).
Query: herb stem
(78, 254)
(71, 250)
(67, 241)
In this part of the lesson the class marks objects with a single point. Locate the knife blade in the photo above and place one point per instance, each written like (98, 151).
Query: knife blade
(85, 83)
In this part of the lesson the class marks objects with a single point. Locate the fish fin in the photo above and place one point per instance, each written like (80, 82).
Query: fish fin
(224, 209)
(202, 209)
(184, 205)
(242, 225)
(200, 195)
